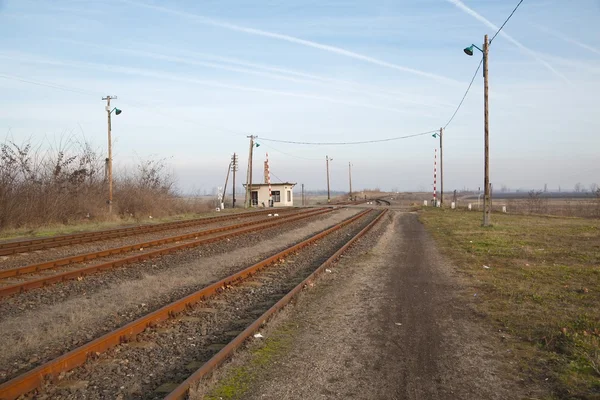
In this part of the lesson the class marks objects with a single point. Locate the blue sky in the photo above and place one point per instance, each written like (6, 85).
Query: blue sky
(195, 78)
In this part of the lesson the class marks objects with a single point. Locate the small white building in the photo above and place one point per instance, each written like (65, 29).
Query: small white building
(282, 194)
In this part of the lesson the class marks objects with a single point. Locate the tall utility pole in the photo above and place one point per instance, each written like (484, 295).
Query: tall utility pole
(327, 159)
(350, 178)
(248, 199)
(441, 169)
(109, 159)
(303, 194)
(486, 179)
(234, 167)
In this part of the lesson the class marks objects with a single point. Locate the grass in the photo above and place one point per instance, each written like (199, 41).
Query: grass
(62, 229)
(237, 380)
(542, 287)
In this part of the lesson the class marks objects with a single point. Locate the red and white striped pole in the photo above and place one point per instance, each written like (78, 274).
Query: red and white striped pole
(269, 181)
(435, 179)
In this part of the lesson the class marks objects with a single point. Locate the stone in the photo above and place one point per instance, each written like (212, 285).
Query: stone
(166, 387)
(73, 385)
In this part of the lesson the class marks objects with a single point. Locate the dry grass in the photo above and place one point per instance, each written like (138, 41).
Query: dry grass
(542, 287)
(65, 184)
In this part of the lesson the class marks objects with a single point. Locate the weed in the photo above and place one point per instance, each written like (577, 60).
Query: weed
(543, 287)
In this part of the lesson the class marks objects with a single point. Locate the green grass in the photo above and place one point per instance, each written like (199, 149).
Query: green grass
(543, 287)
(238, 380)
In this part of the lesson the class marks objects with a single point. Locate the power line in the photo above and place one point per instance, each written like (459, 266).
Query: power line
(50, 85)
(349, 143)
(465, 95)
(288, 154)
(479, 66)
(509, 17)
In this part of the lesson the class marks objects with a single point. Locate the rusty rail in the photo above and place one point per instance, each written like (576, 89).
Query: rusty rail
(22, 246)
(35, 378)
(181, 391)
(70, 275)
(33, 268)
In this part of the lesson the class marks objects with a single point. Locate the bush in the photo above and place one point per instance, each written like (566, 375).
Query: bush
(68, 184)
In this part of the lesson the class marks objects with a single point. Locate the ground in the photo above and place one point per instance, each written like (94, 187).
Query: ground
(392, 322)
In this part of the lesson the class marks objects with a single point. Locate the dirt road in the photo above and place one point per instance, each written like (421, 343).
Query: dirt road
(389, 324)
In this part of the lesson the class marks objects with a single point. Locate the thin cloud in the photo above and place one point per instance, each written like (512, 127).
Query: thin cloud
(292, 39)
(568, 39)
(211, 83)
(191, 58)
(481, 18)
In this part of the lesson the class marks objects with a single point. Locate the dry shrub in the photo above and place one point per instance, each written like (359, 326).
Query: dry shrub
(67, 183)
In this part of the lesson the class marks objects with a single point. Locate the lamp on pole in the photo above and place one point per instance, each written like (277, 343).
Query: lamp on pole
(486, 178)
(109, 159)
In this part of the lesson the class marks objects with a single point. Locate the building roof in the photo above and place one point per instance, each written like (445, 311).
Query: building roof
(272, 184)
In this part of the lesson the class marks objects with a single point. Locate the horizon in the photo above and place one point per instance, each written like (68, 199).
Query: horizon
(193, 80)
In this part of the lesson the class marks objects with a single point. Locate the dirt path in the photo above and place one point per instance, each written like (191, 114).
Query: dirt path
(389, 324)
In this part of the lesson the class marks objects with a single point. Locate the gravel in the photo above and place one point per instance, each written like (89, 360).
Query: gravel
(22, 259)
(170, 352)
(34, 325)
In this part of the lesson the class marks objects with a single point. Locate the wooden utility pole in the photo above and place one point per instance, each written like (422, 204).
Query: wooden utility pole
(327, 159)
(225, 187)
(248, 199)
(350, 178)
(486, 179)
(109, 159)
(441, 169)
(303, 194)
(234, 168)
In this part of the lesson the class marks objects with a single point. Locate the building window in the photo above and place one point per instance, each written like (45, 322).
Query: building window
(289, 196)
(276, 194)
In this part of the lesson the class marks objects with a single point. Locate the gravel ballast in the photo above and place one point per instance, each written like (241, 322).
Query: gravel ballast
(34, 325)
(170, 352)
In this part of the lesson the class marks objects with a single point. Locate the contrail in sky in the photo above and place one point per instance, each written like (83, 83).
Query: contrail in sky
(568, 39)
(211, 83)
(292, 39)
(191, 58)
(481, 18)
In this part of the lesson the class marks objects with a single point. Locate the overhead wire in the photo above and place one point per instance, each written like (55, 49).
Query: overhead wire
(480, 63)
(465, 95)
(509, 17)
(349, 143)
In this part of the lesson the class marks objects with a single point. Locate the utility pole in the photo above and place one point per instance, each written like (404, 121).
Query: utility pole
(350, 178)
(234, 167)
(248, 199)
(303, 194)
(327, 159)
(225, 187)
(109, 159)
(441, 169)
(486, 179)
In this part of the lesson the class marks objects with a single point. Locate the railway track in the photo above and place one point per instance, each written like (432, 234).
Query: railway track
(23, 246)
(380, 201)
(162, 349)
(20, 279)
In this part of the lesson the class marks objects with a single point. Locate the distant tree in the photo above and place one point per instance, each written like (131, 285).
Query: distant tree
(578, 187)
(504, 189)
(593, 187)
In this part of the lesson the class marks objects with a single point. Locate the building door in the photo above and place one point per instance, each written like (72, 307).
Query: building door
(254, 197)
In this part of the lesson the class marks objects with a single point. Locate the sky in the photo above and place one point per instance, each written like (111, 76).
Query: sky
(194, 79)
